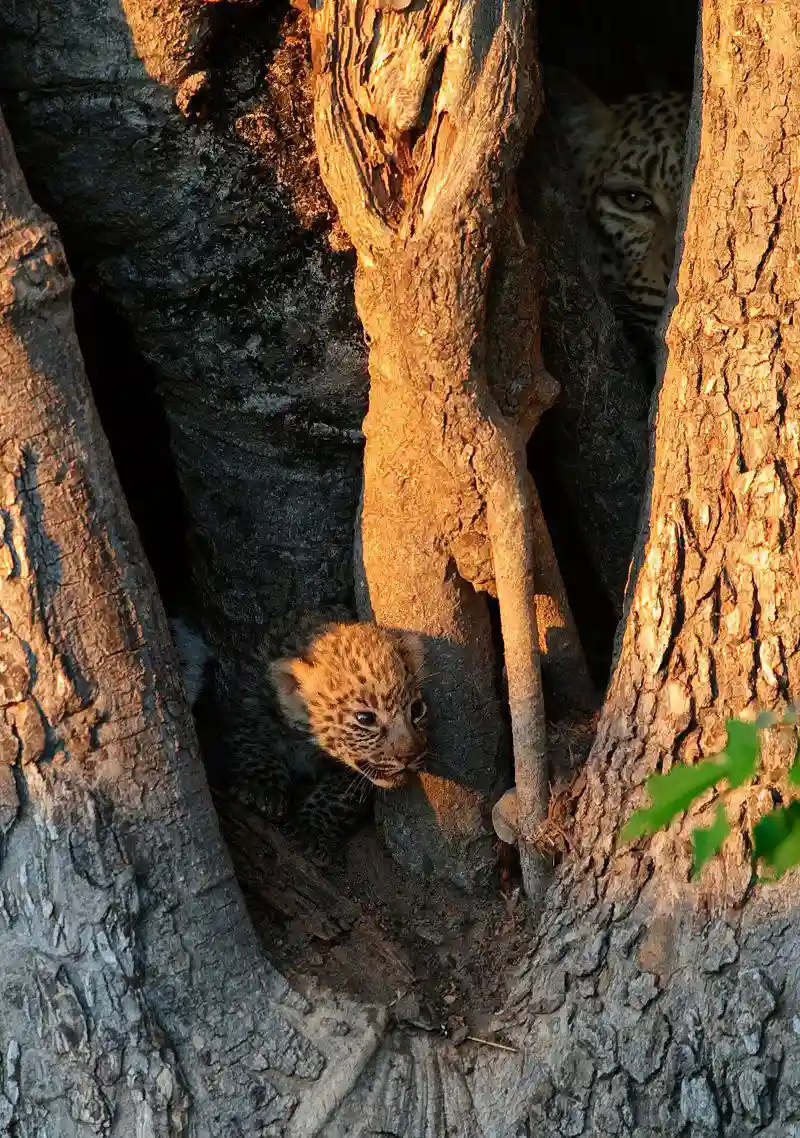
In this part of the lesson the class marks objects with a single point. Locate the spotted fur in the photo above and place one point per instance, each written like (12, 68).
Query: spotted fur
(628, 161)
(318, 721)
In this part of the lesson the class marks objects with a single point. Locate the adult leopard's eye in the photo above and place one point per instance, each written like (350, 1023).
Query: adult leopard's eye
(418, 710)
(632, 201)
(366, 718)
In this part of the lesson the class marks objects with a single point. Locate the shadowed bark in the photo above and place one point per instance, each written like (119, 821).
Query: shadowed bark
(219, 272)
(121, 1007)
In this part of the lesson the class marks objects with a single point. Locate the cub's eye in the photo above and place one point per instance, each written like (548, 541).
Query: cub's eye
(418, 710)
(366, 718)
(632, 201)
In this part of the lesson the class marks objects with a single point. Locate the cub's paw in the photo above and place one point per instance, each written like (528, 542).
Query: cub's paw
(271, 801)
(314, 846)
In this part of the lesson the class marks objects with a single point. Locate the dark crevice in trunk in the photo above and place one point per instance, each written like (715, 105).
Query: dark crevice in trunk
(132, 414)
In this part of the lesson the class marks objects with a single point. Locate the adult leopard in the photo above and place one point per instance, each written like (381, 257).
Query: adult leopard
(627, 159)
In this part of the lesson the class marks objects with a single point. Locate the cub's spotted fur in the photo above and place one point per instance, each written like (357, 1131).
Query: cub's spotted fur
(628, 162)
(316, 721)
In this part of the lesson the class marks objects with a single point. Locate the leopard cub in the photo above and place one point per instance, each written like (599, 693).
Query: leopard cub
(317, 720)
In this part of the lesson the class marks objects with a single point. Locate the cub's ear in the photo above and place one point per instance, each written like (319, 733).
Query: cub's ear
(411, 648)
(291, 680)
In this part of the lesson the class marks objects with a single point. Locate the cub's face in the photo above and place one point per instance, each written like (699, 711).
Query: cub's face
(356, 690)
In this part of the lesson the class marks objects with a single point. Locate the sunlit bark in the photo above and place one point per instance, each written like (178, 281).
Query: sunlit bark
(421, 113)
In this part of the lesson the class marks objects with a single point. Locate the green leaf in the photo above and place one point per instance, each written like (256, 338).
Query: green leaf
(707, 840)
(742, 751)
(794, 769)
(776, 839)
(671, 794)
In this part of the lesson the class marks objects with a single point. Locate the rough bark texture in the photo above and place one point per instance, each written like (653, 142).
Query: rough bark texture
(667, 1007)
(135, 1000)
(203, 213)
(420, 116)
(650, 1005)
(122, 1010)
(199, 218)
(647, 1006)
(180, 208)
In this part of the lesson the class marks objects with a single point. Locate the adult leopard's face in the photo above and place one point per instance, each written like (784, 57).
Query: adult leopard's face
(632, 197)
(356, 690)
(628, 159)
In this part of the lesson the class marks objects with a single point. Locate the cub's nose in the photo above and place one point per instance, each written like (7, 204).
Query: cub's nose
(406, 744)
(412, 751)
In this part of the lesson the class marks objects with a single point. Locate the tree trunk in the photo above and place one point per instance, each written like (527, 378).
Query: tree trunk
(133, 997)
(654, 1005)
(122, 1008)
(214, 220)
(192, 209)
(420, 118)
(650, 1005)
(205, 211)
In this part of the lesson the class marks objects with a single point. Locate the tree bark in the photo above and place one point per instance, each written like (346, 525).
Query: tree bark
(654, 1005)
(650, 1005)
(188, 194)
(134, 998)
(215, 252)
(121, 1007)
(420, 119)
(214, 220)
(132, 1001)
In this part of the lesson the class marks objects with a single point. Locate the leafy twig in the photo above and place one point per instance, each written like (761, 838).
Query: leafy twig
(776, 836)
